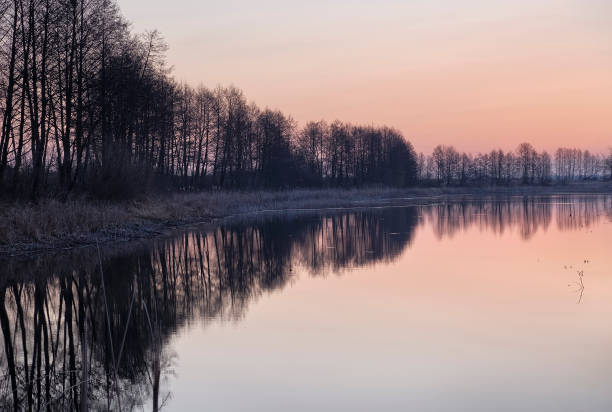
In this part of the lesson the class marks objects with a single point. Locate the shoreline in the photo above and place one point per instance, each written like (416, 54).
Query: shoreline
(51, 225)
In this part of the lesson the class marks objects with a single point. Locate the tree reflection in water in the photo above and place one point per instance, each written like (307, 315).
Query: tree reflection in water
(59, 343)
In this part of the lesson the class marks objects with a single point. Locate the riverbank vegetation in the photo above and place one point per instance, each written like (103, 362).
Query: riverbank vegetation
(53, 224)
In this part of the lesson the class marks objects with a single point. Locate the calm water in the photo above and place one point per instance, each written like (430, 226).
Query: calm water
(480, 305)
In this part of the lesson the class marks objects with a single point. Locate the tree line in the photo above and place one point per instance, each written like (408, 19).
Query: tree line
(88, 106)
(447, 166)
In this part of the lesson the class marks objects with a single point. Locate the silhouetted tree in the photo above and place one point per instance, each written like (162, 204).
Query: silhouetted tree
(87, 106)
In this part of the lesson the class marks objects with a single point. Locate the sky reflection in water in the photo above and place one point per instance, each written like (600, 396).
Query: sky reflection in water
(470, 305)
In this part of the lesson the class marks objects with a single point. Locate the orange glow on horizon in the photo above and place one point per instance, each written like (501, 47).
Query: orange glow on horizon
(475, 75)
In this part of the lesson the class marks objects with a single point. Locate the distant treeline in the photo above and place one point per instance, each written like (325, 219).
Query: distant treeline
(89, 107)
(446, 166)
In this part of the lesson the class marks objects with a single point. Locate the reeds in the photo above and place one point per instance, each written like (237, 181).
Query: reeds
(51, 224)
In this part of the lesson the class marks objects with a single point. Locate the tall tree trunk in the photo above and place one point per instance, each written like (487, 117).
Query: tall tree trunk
(8, 108)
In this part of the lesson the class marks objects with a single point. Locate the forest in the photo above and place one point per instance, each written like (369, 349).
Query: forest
(446, 166)
(88, 107)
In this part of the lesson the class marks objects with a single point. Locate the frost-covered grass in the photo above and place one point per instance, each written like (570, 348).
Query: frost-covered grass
(51, 223)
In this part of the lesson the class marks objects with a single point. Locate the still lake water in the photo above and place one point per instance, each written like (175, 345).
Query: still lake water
(498, 304)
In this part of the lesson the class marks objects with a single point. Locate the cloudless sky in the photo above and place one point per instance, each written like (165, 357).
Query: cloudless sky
(479, 74)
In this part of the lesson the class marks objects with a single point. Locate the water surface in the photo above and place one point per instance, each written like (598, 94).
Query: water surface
(475, 305)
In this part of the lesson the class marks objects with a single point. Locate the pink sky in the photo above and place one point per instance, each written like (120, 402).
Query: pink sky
(476, 74)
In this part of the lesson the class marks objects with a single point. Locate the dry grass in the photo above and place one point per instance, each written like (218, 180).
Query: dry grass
(53, 224)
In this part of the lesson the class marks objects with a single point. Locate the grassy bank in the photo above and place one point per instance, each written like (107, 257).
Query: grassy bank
(51, 224)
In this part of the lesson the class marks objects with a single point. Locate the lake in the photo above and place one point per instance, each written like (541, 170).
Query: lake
(476, 304)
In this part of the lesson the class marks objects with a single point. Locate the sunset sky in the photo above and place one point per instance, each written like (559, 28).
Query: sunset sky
(478, 74)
